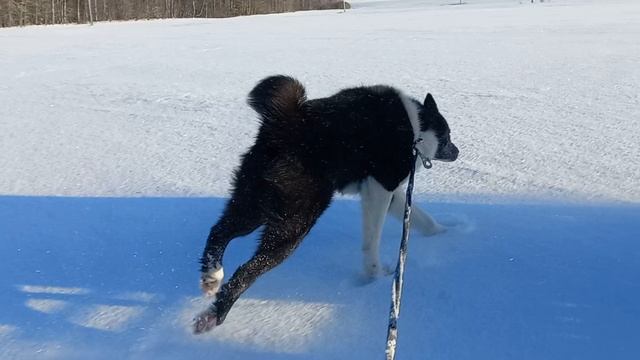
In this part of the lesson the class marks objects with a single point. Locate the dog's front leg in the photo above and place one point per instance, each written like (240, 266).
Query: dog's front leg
(420, 220)
(375, 204)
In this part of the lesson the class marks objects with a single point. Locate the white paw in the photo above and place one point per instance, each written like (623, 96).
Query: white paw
(388, 270)
(372, 269)
(211, 281)
(433, 230)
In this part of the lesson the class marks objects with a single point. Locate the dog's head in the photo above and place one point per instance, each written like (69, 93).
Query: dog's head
(436, 138)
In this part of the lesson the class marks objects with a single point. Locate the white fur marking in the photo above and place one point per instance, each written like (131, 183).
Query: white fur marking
(352, 188)
(375, 204)
(212, 280)
(429, 144)
(420, 220)
(412, 112)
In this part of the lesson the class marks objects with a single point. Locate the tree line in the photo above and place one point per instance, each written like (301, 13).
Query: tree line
(39, 12)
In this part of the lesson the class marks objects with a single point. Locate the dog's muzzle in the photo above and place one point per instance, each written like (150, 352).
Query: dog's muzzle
(448, 152)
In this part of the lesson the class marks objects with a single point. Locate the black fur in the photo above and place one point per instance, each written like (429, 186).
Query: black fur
(304, 152)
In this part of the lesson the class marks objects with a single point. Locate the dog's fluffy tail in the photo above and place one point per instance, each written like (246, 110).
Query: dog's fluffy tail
(278, 99)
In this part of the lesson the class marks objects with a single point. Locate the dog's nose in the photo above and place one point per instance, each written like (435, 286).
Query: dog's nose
(454, 152)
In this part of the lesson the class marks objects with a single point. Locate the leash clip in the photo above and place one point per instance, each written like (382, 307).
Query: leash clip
(426, 162)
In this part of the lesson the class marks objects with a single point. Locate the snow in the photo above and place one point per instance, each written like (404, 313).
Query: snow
(507, 281)
(542, 98)
(117, 142)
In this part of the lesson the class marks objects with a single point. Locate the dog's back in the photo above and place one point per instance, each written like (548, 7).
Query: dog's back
(342, 138)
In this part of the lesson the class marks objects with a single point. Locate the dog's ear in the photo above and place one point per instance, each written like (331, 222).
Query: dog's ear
(430, 104)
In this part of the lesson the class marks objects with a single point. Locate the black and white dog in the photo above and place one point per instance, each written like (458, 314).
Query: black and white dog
(358, 140)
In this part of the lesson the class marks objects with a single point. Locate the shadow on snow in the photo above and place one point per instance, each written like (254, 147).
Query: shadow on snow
(105, 277)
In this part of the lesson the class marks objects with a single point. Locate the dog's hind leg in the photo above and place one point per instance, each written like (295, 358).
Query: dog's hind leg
(420, 220)
(237, 220)
(279, 239)
(278, 243)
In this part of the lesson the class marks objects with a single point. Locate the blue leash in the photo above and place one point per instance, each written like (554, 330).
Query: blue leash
(396, 289)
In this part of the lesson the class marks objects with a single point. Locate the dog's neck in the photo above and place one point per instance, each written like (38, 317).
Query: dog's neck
(412, 112)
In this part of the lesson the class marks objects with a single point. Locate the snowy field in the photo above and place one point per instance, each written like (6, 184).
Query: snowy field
(117, 142)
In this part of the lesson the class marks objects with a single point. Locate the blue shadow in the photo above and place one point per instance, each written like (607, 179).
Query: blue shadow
(545, 281)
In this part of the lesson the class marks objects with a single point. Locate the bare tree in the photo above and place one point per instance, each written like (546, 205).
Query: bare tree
(90, 12)
(29, 12)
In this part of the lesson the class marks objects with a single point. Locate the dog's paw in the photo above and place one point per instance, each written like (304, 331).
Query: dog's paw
(211, 281)
(433, 230)
(388, 270)
(204, 322)
(372, 270)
